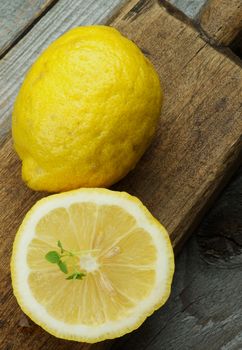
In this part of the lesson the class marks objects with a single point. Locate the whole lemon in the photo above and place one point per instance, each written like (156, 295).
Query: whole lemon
(86, 111)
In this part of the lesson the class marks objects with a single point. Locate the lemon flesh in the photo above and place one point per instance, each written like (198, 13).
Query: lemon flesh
(86, 112)
(127, 260)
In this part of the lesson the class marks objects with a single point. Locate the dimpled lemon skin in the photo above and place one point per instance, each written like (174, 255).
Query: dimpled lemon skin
(86, 112)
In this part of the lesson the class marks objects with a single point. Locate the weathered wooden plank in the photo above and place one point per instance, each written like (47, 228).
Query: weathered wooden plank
(190, 8)
(204, 310)
(16, 16)
(221, 20)
(197, 143)
(61, 17)
(192, 152)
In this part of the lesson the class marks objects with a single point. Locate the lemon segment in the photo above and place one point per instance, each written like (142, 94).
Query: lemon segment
(124, 252)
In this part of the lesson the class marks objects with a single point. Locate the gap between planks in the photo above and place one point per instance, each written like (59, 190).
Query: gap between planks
(17, 18)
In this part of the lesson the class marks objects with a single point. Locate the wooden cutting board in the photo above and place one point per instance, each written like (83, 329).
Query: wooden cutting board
(197, 146)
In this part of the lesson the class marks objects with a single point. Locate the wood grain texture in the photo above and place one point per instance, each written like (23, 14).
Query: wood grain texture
(190, 8)
(63, 16)
(197, 144)
(16, 16)
(221, 20)
(204, 309)
(201, 126)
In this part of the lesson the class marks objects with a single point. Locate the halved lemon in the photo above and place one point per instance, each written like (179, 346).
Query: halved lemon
(116, 265)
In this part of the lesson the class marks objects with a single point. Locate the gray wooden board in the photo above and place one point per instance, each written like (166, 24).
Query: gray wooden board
(190, 8)
(62, 16)
(204, 310)
(16, 16)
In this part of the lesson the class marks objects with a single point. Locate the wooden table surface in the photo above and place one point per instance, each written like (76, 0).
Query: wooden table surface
(204, 310)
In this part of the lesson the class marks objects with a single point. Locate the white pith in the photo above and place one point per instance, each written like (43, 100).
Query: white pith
(89, 263)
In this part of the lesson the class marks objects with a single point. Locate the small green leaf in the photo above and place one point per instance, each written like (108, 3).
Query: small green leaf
(80, 275)
(60, 246)
(71, 277)
(62, 266)
(53, 257)
(76, 276)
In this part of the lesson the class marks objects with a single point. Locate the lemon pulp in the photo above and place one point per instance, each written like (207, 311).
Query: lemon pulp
(119, 272)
